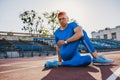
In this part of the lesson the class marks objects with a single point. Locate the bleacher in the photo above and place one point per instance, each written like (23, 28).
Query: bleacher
(19, 48)
(99, 44)
(19, 45)
(48, 41)
(105, 45)
(5, 45)
(25, 45)
(46, 46)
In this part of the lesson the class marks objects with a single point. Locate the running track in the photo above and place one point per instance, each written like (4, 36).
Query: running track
(33, 69)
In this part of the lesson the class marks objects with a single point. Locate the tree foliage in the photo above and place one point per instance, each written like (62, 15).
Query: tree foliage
(31, 21)
(40, 24)
(51, 19)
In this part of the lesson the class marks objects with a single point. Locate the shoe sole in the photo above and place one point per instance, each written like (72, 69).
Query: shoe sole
(102, 64)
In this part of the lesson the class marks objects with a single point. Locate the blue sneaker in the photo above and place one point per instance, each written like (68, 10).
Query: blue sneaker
(102, 60)
(50, 64)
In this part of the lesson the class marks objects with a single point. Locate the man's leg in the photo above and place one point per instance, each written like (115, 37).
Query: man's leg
(96, 58)
(87, 42)
(78, 60)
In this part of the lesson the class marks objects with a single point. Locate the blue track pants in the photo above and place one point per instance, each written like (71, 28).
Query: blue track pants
(77, 59)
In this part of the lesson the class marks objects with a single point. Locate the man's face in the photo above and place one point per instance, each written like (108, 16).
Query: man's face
(63, 19)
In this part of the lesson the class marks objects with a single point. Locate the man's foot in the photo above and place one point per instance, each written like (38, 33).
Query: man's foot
(101, 60)
(50, 64)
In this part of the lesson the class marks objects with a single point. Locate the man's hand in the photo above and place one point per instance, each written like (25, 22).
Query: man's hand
(58, 53)
(61, 42)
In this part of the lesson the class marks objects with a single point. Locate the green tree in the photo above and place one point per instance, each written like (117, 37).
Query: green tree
(35, 23)
(31, 21)
(39, 25)
(51, 19)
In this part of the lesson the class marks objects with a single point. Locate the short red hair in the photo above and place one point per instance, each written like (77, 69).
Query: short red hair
(61, 13)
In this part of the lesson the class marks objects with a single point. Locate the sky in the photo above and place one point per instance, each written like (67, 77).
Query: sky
(92, 15)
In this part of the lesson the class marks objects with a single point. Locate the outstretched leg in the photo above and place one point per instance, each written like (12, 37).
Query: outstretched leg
(78, 60)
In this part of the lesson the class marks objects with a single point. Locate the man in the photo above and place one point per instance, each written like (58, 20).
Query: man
(68, 37)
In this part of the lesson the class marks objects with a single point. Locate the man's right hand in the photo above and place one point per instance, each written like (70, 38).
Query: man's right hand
(58, 53)
(57, 48)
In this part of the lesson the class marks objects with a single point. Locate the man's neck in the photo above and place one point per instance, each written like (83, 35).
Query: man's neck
(63, 27)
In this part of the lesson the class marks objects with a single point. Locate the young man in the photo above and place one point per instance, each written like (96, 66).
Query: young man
(68, 37)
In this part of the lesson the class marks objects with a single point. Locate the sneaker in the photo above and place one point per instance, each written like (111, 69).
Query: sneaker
(102, 60)
(50, 64)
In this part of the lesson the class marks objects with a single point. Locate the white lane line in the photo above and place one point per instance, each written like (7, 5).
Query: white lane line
(114, 75)
(19, 69)
(113, 52)
(41, 63)
(16, 63)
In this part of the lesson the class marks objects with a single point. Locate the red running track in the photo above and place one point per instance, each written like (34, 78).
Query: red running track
(33, 69)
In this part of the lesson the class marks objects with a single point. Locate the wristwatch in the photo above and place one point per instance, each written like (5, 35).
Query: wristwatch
(65, 42)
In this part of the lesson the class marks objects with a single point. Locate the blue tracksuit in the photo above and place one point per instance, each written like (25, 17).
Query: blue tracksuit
(69, 52)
